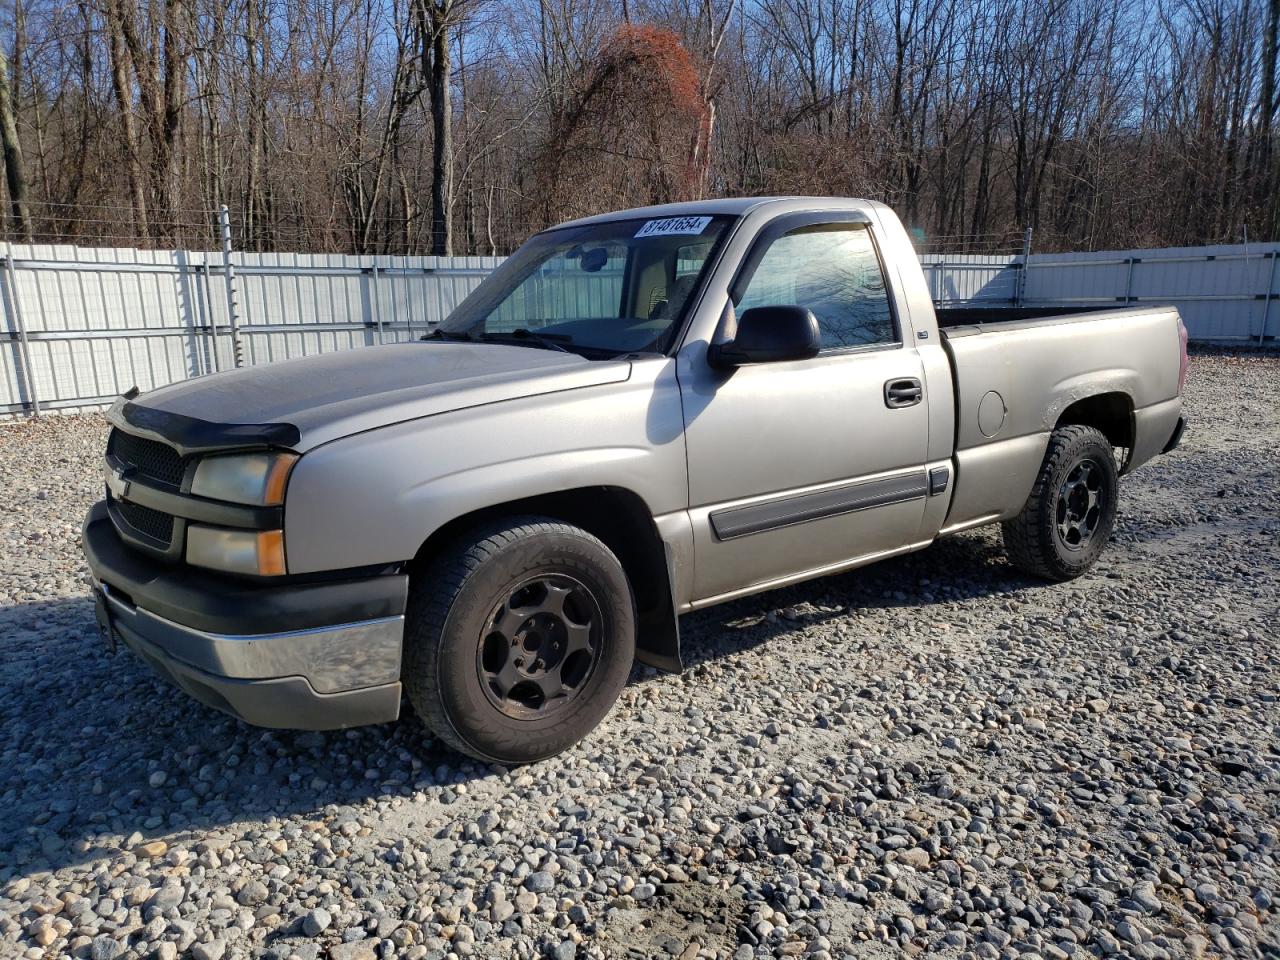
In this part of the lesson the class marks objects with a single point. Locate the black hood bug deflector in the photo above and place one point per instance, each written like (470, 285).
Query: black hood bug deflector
(190, 435)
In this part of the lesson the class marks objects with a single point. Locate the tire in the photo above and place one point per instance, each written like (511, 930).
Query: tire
(1072, 508)
(513, 609)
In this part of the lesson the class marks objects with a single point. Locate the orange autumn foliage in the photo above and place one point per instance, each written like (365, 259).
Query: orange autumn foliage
(631, 134)
(655, 59)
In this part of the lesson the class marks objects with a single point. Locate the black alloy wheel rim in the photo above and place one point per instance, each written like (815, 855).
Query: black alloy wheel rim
(1081, 501)
(540, 646)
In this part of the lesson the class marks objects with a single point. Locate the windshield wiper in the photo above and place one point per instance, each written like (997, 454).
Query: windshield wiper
(523, 336)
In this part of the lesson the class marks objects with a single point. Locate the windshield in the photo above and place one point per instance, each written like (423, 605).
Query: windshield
(601, 290)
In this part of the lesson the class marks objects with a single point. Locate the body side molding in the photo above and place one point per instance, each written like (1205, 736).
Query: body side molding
(784, 511)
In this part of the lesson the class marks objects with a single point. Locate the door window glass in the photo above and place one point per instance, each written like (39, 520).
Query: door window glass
(833, 270)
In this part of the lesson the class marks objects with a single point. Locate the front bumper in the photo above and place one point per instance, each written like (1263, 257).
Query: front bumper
(310, 656)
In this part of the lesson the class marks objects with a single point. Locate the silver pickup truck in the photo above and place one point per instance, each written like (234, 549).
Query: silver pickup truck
(636, 415)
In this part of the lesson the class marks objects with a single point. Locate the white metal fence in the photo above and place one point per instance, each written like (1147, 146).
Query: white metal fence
(1228, 293)
(83, 325)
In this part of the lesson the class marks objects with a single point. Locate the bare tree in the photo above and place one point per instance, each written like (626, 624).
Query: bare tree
(460, 125)
(15, 173)
(115, 13)
(1265, 152)
(438, 19)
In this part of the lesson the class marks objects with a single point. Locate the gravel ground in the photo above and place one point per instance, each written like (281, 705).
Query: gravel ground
(933, 755)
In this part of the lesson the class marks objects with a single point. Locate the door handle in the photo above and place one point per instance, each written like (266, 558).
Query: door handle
(905, 392)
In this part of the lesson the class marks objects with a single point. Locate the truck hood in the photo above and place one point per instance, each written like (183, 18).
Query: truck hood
(308, 401)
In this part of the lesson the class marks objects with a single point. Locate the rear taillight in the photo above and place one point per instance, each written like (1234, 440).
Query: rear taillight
(1182, 360)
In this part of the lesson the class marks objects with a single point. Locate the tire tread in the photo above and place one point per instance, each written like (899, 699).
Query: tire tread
(1026, 541)
(437, 586)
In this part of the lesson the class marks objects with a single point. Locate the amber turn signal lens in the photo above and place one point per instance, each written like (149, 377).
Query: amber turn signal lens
(271, 548)
(278, 477)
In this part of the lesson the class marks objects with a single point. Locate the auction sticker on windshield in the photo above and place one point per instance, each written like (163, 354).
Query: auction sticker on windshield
(673, 225)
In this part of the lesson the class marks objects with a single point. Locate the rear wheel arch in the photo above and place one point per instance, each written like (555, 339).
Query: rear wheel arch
(622, 520)
(1111, 414)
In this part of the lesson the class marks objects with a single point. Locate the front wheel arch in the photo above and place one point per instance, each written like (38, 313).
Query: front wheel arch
(622, 520)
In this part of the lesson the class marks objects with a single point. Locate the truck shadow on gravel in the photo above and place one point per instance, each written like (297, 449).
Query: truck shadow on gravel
(967, 566)
(97, 749)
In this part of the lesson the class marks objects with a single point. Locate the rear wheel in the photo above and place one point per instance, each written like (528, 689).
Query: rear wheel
(1072, 508)
(519, 639)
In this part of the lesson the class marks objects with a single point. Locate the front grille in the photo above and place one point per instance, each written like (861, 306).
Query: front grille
(151, 523)
(152, 459)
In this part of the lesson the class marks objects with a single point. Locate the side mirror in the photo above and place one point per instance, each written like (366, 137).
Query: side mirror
(769, 335)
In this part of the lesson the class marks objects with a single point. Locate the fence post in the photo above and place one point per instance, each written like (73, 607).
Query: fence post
(237, 348)
(1271, 286)
(1026, 266)
(26, 371)
(189, 293)
(213, 320)
(374, 297)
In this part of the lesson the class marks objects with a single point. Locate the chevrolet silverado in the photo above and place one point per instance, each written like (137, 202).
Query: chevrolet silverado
(636, 415)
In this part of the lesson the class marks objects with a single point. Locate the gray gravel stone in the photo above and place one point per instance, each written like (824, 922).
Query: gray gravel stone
(316, 922)
(356, 950)
(252, 893)
(540, 882)
(211, 950)
(168, 896)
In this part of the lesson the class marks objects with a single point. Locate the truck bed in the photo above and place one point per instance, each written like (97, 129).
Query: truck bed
(964, 321)
(1015, 379)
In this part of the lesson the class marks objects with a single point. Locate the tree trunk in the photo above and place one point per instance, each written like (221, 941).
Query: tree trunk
(170, 116)
(14, 172)
(128, 129)
(1267, 174)
(442, 131)
(255, 48)
(160, 91)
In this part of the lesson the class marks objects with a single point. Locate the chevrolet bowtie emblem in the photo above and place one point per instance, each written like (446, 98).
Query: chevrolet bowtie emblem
(117, 483)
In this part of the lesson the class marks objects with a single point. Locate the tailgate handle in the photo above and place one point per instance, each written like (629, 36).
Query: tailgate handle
(906, 392)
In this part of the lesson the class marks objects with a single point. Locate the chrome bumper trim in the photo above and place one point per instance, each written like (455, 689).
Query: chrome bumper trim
(332, 659)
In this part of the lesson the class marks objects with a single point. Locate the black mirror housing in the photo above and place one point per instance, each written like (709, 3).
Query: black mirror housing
(769, 335)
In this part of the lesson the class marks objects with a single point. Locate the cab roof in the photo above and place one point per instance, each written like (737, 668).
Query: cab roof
(723, 206)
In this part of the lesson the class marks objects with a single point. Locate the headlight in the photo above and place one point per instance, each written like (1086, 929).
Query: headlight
(256, 552)
(253, 478)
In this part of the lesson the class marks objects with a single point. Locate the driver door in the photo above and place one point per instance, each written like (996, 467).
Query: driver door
(800, 466)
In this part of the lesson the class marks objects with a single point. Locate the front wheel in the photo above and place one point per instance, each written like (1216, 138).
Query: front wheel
(518, 639)
(1068, 518)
